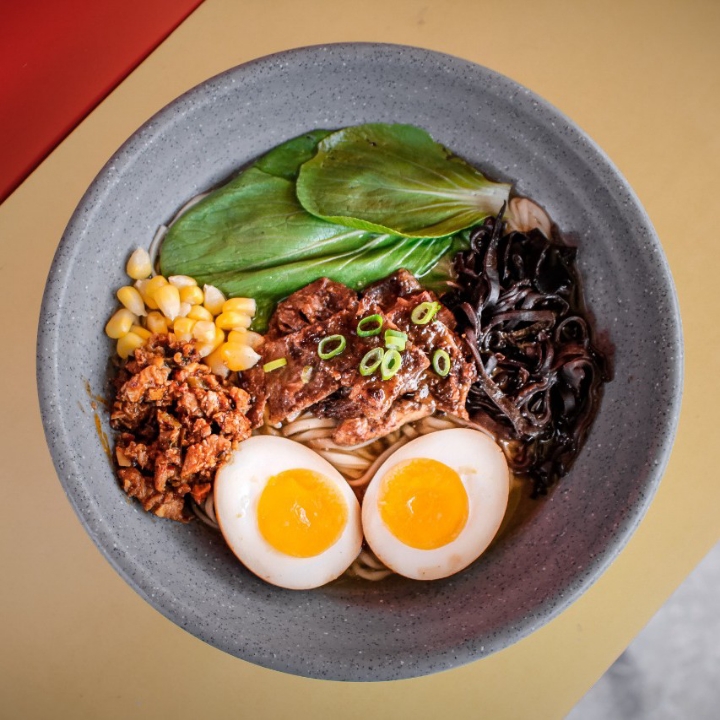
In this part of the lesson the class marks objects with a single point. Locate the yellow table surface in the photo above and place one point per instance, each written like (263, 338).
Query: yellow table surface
(642, 79)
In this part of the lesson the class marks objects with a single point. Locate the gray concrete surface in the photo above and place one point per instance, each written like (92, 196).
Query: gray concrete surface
(671, 671)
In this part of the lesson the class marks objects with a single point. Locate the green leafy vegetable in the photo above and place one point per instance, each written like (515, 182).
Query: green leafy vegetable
(355, 269)
(253, 222)
(253, 238)
(395, 179)
(284, 161)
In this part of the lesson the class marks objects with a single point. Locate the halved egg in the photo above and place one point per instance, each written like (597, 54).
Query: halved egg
(288, 515)
(435, 505)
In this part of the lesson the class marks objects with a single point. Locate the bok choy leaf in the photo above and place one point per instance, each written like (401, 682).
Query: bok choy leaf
(395, 179)
(374, 261)
(253, 222)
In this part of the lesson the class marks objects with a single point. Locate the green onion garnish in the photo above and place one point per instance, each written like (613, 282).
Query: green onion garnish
(423, 313)
(274, 365)
(371, 361)
(306, 374)
(441, 362)
(395, 340)
(337, 340)
(391, 363)
(370, 325)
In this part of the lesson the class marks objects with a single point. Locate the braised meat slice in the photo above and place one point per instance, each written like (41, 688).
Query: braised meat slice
(178, 423)
(370, 396)
(450, 392)
(305, 379)
(354, 431)
(384, 292)
(314, 303)
(368, 405)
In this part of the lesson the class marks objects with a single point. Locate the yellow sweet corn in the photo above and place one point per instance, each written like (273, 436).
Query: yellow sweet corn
(214, 299)
(132, 300)
(141, 331)
(142, 287)
(238, 357)
(168, 299)
(156, 323)
(246, 306)
(183, 328)
(181, 281)
(120, 323)
(206, 348)
(192, 294)
(215, 362)
(246, 337)
(233, 321)
(204, 331)
(139, 266)
(127, 344)
(198, 312)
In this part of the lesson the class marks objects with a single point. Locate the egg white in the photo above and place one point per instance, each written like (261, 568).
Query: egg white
(238, 487)
(483, 470)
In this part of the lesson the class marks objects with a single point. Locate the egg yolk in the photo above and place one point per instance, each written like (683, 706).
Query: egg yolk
(423, 503)
(301, 513)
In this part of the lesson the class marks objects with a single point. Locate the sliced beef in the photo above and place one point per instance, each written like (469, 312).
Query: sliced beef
(314, 303)
(354, 431)
(367, 405)
(291, 388)
(450, 392)
(371, 396)
(384, 292)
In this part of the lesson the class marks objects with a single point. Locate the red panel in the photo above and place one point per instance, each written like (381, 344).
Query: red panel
(59, 58)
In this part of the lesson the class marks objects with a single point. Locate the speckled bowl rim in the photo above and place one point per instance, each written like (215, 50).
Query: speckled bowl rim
(172, 607)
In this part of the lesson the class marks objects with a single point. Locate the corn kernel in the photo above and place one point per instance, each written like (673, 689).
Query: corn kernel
(246, 337)
(198, 312)
(233, 321)
(214, 299)
(192, 294)
(141, 286)
(216, 363)
(139, 266)
(132, 300)
(238, 357)
(141, 331)
(183, 328)
(209, 347)
(246, 306)
(181, 281)
(120, 323)
(185, 309)
(156, 323)
(204, 331)
(168, 299)
(127, 344)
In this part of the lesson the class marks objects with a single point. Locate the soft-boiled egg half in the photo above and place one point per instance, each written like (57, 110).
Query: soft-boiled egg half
(435, 505)
(288, 515)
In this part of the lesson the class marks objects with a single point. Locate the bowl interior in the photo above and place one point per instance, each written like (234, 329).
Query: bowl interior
(395, 628)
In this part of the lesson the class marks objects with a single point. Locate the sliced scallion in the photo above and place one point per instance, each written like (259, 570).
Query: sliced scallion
(370, 325)
(391, 363)
(423, 313)
(331, 346)
(441, 362)
(371, 361)
(274, 365)
(306, 374)
(395, 340)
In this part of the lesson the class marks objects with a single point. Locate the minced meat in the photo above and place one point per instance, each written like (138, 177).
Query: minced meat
(177, 424)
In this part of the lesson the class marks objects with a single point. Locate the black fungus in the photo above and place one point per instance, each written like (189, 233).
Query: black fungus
(518, 303)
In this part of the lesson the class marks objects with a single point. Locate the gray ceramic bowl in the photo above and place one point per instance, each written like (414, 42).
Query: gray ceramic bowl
(395, 628)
